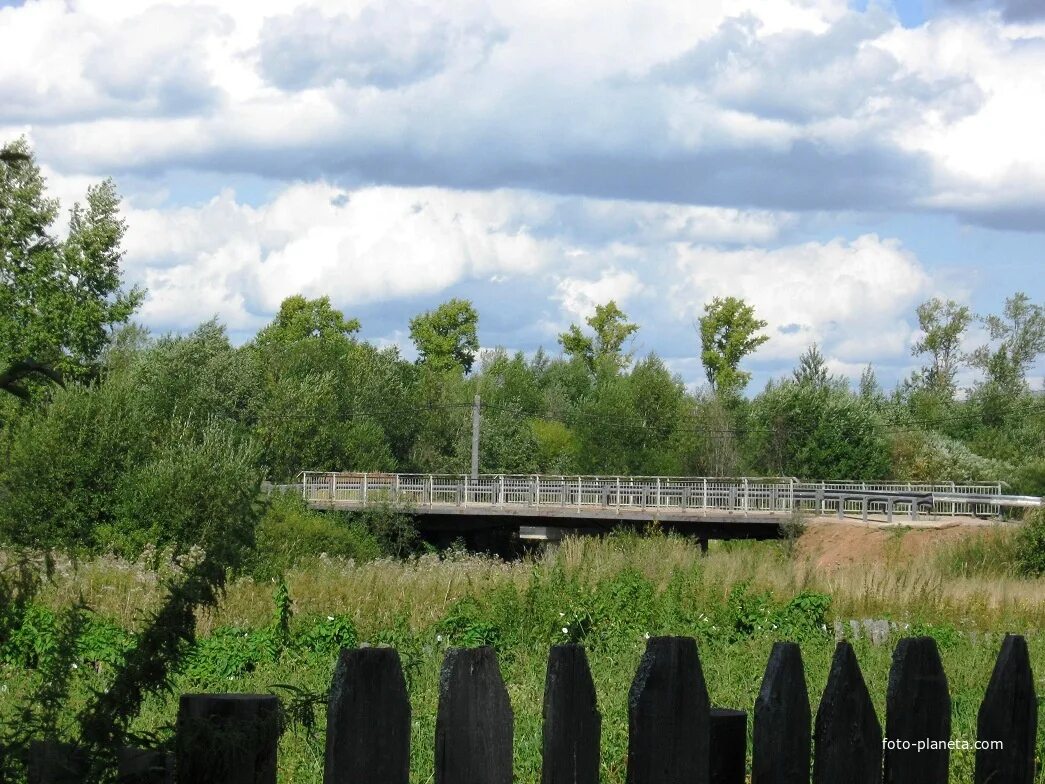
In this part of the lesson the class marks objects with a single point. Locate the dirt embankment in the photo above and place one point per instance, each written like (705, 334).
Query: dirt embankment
(830, 544)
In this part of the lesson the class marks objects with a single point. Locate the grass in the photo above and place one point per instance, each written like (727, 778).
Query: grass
(612, 592)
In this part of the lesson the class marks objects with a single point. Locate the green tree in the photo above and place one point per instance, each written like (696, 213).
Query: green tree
(447, 337)
(611, 330)
(1020, 336)
(943, 325)
(870, 390)
(812, 369)
(59, 299)
(728, 333)
(301, 319)
(818, 432)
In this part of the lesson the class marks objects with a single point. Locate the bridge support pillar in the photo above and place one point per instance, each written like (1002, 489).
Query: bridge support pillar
(703, 541)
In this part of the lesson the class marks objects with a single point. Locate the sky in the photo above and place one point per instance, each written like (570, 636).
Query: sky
(832, 162)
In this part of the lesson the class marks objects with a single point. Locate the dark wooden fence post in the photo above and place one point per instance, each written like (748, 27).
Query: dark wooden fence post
(1009, 714)
(668, 715)
(227, 738)
(54, 762)
(572, 725)
(144, 766)
(918, 709)
(848, 737)
(368, 720)
(728, 746)
(474, 724)
(780, 744)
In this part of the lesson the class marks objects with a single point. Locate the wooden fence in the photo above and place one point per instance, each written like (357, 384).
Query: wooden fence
(674, 735)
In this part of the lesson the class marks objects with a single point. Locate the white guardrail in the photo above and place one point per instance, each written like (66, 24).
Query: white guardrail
(734, 494)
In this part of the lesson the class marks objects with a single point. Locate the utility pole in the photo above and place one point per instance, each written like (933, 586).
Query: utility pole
(475, 438)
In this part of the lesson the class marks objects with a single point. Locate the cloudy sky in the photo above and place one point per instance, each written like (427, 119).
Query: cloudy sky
(834, 162)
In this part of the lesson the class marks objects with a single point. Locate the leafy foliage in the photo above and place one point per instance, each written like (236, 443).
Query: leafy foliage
(447, 336)
(289, 531)
(728, 333)
(60, 298)
(606, 346)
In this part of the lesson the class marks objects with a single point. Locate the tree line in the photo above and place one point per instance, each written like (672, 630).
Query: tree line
(143, 425)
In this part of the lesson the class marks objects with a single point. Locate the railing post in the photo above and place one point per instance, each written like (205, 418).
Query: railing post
(578, 492)
(657, 504)
(500, 489)
(333, 486)
(431, 489)
(618, 493)
(705, 492)
(466, 488)
(364, 488)
(537, 492)
(745, 496)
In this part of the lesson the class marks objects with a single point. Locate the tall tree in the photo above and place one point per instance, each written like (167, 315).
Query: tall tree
(1020, 336)
(611, 329)
(447, 337)
(59, 299)
(812, 368)
(300, 318)
(943, 325)
(728, 333)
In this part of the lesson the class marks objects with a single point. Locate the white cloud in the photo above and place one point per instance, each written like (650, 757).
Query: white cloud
(853, 298)
(778, 103)
(579, 297)
(368, 245)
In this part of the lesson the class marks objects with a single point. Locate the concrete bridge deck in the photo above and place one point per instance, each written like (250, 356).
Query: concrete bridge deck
(541, 506)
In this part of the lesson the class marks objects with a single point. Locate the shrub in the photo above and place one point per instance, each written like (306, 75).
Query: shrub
(391, 524)
(1030, 546)
(198, 488)
(289, 531)
(933, 457)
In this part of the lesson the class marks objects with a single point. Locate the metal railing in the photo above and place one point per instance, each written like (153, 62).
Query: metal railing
(734, 494)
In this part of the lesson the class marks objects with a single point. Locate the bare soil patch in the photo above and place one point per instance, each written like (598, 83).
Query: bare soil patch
(831, 544)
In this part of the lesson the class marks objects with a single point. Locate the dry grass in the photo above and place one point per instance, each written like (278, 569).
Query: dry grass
(418, 592)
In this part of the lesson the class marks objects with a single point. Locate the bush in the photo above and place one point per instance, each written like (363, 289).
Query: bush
(95, 471)
(289, 531)
(198, 488)
(1030, 546)
(391, 525)
(933, 457)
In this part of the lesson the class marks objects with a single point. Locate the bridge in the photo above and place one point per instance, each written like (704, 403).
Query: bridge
(545, 507)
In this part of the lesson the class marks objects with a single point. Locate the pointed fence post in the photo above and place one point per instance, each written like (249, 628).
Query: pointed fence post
(668, 715)
(54, 762)
(474, 724)
(1009, 714)
(780, 746)
(572, 724)
(918, 709)
(227, 738)
(368, 720)
(728, 747)
(848, 737)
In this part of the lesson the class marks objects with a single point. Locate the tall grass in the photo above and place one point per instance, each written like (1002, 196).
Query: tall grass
(632, 585)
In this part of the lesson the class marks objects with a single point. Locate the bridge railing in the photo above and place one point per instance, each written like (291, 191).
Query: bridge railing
(734, 494)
